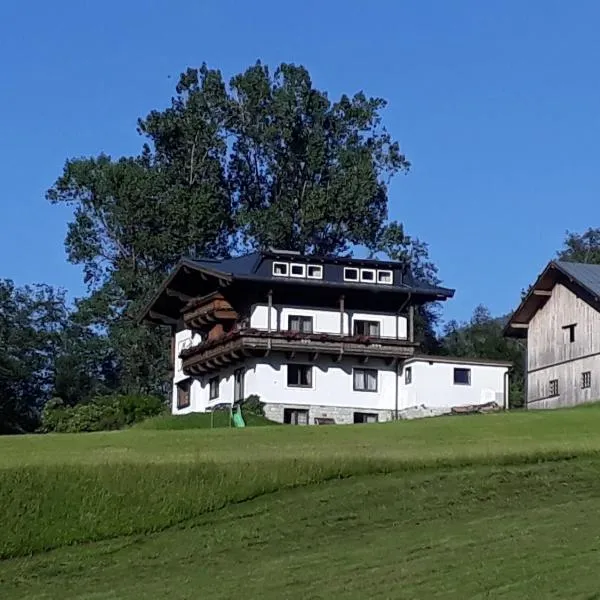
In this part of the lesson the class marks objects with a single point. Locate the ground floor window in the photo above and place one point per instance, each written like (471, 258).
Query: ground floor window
(362, 417)
(213, 388)
(554, 387)
(365, 380)
(295, 416)
(183, 393)
(238, 384)
(462, 376)
(299, 376)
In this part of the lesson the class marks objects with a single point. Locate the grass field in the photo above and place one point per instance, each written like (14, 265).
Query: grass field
(497, 506)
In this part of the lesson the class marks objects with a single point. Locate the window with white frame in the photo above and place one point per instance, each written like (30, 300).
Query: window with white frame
(369, 328)
(385, 277)
(364, 380)
(297, 270)
(299, 376)
(280, 269)
(351, 274)
(314, 271)
(367, 275)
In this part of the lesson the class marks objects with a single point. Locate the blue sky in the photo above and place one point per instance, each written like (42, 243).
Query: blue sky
(496, 104)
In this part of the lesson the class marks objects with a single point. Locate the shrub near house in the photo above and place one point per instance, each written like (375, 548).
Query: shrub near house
(101, 414)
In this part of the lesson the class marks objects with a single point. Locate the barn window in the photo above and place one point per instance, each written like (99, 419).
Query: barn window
(462, 376)
(554, 387)
(586, 379)
(570, 331)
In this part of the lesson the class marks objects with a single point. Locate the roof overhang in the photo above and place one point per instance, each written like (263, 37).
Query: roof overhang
(459, 360)
(187, 281)
(540, 292)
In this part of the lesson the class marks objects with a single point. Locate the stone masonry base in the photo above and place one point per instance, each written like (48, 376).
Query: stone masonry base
(341, 415)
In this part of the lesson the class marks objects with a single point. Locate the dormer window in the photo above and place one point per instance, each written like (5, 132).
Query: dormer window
(350, 274)
(314, 271)
(297, 270)
(367, 275)
(280, 269)
(385, 277)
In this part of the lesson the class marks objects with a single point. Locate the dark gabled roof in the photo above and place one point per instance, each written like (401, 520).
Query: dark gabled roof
(251, 267)
(582, 279)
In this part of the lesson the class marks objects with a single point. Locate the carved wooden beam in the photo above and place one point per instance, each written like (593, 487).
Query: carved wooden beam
(164, 318)
(179, 295)
(542, 293)
(314, 356)
(291, 355)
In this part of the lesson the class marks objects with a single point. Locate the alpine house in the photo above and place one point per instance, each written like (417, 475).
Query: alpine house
(318, 339)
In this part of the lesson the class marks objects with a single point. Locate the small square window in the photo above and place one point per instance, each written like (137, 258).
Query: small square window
(297, 270)
(586, 379)
(462, 376)
(314, 272)
(408, 375)
(365, 380)
(570, 331)
(300, 323)
(385, 277)
(361, 417)
(213, 388)
(299, 376)
(367, 275)
(554, 387)
(368, 328)
(350, 274)
(183, 393)
(280, 269)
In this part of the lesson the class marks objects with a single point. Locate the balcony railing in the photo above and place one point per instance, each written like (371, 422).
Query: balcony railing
(234, 346)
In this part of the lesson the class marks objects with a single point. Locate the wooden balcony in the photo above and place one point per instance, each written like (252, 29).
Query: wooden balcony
(233, 347)
(208, 310)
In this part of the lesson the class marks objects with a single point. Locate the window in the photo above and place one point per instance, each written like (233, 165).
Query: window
(183, 393)
(367, 275)
(295, 416)
(350, 274)
(586, 379)
(570, 330)
(462, 376)
(238, 385)
(360, 417)
(280, 269)
(370, 328)
(365, 380)
(554, 387)
(299, 323)
(408, 375)
(213, 388)
(314, 272)
(297, 270)
(299, 376)
(386, 277)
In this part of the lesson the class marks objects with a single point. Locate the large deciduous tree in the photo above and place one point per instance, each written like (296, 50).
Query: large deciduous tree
(581, 247)
(263, 160)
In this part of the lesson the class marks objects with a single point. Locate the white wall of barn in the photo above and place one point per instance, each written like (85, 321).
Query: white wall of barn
(327, 320)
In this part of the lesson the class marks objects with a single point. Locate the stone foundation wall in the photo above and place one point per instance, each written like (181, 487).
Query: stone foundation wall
(342, 415)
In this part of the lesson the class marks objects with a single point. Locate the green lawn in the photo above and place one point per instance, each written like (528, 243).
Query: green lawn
(498, 506)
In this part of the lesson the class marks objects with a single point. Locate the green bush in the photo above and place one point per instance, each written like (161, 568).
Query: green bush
(104, 413)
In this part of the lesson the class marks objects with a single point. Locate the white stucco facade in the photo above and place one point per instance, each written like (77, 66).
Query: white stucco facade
(332, 391)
